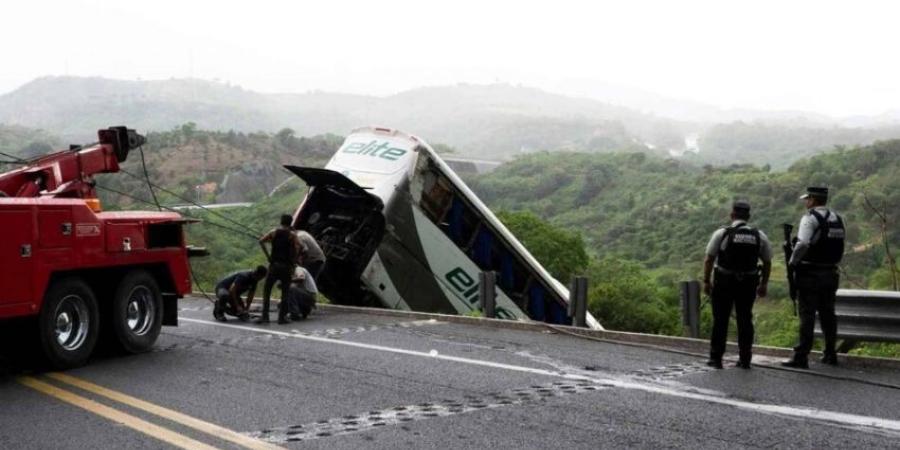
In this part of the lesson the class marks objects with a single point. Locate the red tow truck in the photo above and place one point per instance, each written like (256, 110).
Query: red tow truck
(72, 272)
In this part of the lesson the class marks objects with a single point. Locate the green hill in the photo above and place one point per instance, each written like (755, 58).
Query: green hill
(660, 212)
(489, 121)
(217, 167)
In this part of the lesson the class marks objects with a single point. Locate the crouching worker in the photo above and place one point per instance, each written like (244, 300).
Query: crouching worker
(230, 289)
(302, 293)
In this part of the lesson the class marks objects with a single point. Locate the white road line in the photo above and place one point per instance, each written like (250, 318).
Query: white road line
(857, 422)
(433, 354)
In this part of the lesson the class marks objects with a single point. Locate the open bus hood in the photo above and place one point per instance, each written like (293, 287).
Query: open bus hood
(323, 177)
(316, 177)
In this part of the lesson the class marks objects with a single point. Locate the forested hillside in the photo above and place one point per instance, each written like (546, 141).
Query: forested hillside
(490, 121)
(779, 145)
(660, 212)
(22, 142)
(645, 222)
(216, 167)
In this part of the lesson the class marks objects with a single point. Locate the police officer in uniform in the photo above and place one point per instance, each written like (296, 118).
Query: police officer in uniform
(818, 251)
(733, 252)
(285, 248)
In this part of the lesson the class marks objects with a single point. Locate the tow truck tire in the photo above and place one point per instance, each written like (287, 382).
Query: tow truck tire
(137, 312)
(69, 323)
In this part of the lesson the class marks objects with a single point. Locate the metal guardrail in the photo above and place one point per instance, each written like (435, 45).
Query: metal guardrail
(866, 316)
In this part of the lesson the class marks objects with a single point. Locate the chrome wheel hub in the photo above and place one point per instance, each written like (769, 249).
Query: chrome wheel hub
(140, 312)
(72, 322)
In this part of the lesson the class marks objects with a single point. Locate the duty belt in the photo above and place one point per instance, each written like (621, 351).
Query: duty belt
(736, 272)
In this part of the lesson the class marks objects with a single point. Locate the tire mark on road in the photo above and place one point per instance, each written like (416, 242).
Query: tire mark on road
(356, 423)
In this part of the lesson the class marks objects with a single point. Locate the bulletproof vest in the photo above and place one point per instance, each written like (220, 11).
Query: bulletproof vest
(741, 249)
(282, 248)
(827, 244)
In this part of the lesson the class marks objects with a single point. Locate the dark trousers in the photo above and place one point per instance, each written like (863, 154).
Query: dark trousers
(281, 273)
(816, 289)
(740, 292)
(226, 305)
(301, 300)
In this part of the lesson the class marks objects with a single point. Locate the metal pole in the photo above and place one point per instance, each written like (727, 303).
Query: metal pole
(578, 301)
(487, 292)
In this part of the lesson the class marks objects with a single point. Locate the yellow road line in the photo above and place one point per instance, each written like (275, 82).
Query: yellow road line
(135, 423)
(175, 416)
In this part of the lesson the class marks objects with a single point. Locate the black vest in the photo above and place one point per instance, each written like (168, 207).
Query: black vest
(282, 247)
(827, 247)
(741, 249)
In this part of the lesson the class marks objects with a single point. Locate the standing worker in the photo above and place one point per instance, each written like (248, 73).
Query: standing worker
(311, 256)
(816, 255)
(281, 266)
(734, 251)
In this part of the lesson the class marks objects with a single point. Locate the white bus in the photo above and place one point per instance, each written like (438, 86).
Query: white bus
(401, 230)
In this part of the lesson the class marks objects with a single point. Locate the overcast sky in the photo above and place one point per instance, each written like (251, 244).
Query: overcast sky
(838, 58)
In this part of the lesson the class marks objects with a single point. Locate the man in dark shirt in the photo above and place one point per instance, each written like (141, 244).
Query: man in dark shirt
(283, 257)
(230, 289)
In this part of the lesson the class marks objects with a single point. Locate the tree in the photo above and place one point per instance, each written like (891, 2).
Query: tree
(560, 251)
(623, 297)
(285, 136)
(188, 129)
(881, 213)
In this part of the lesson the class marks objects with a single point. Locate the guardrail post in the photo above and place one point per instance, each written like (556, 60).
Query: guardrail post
(690, 307)
(578, 301)
(487, 292)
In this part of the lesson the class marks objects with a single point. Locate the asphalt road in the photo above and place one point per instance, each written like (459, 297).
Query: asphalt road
(348, 380)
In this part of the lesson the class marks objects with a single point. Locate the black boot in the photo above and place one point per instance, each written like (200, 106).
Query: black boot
(797, 362)
(263, 320)
(830, 359)
(744, 359)
(743, 363)
(715, 363)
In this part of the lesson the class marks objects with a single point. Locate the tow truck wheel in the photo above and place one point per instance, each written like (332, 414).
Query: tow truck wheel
(136, 315)
(69, 323)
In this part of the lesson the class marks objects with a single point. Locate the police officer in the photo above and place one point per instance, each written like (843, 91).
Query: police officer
(734, 251)
(817, 253)
(281, 266)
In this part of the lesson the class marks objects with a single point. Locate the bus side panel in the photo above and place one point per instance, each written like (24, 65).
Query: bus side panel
(402, 256)
(378, 281)
(456, 272)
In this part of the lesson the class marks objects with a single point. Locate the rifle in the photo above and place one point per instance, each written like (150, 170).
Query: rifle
(788, 251)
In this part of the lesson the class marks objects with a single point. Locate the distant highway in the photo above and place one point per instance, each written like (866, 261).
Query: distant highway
(355, 380)
(466, 164)
(214, 206)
